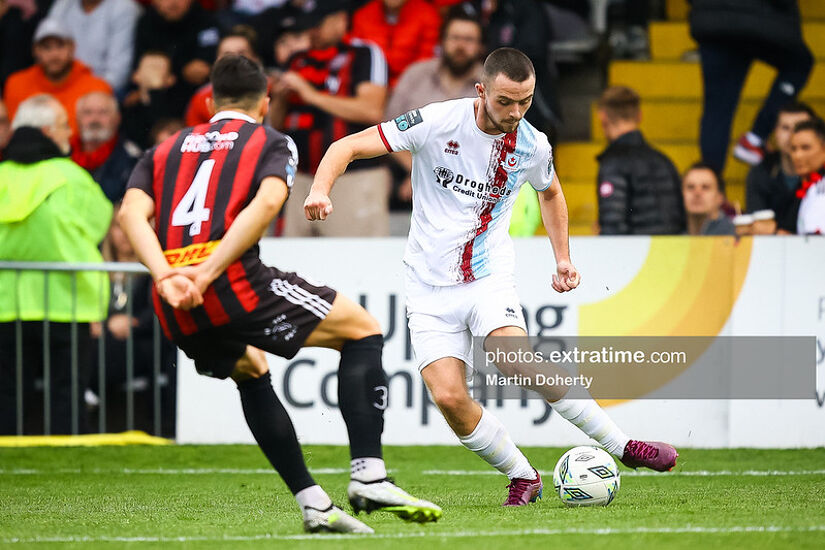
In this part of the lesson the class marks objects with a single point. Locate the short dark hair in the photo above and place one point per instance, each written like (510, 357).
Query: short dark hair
(511, 63)
(237, 80)
(702, 165)
(797, 107)
(620, 103)
(461, 12)
(815, 124)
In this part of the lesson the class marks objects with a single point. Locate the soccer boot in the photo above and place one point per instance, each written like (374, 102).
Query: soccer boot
(332, 520)
(523, 491)
(649, 454)
(386, 496)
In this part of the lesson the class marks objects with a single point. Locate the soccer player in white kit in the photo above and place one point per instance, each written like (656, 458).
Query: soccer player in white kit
(470, 157)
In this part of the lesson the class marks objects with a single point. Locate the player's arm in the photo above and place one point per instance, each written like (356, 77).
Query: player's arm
(555, 220)
(365, 107)
(135, 212)
(365, 144)
(244, 232)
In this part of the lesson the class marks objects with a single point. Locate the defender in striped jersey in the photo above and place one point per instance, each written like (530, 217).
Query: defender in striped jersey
(469, 159)
(212, 191)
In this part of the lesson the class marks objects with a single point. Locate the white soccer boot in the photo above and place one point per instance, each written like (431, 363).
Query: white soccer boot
(386, 496)
(332, 520)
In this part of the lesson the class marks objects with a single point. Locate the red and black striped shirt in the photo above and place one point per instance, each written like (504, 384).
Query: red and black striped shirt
(200, 179)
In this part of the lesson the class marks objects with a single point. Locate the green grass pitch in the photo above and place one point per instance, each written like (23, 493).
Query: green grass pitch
(226, 497)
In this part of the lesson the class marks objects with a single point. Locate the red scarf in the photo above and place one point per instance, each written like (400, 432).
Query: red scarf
(812, 179)
(92, 160)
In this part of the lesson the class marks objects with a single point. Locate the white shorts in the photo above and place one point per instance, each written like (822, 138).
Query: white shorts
(444, 319)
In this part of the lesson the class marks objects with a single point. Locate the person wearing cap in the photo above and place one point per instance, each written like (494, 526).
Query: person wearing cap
(56, 72)
(104, 35)
(336, 88)
(704, 194)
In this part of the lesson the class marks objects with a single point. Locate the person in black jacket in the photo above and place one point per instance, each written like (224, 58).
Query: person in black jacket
(731, 35)
(639, 189)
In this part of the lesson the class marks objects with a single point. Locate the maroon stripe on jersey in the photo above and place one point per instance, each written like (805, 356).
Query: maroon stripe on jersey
(159, 170)
(384, 138)
(508, 145)
(214, 308)
(243, 175)
(240, 285)
(163, 181)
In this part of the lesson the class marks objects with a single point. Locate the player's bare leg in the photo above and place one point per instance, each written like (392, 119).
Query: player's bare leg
(362, 398)
(273, 430)
(479, 430)
(583, 412)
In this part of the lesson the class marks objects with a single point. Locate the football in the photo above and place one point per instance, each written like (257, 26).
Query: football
(586, 476)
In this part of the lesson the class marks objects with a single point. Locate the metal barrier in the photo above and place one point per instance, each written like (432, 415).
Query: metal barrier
(131, 271)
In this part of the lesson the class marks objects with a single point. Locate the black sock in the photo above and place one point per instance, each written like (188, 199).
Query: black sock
(273, 430)
(363, 395)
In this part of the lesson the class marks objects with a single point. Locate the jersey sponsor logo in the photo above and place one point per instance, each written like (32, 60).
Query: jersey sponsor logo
(605, 189)
(408, 120)
(210, 141)
(511, 161)
(190, 255)
(466, 186)
(444, 176)
(452, 147)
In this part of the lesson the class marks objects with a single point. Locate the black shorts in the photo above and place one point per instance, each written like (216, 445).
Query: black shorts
(280, 326)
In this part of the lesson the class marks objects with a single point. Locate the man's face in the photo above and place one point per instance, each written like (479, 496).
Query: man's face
(331, 30)
(235, 45)
(701, 192)
(55, 56)
(784, 129)
(172, 10)
(97, 118)
(461, 46)
(5, 126)
(289, 43)
(807, 152)
(61, 131)
(506, 101)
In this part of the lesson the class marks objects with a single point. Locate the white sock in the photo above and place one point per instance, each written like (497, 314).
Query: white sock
(590, 418)
(314, 497)
(754, 140)
(367, 469)
(492, 443)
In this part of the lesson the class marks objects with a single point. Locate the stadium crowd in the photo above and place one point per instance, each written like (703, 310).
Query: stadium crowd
(104, 80)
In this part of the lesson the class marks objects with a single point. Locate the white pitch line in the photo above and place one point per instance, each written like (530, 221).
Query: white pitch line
(646, 473)
(337, 471)
(607, 531)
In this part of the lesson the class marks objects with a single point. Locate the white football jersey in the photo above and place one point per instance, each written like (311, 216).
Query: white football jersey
(464, 185)
(811, 218)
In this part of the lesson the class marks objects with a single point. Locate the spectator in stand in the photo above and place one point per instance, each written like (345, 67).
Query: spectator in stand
(639, 189)
(56, 72)
(187, 33)
(98, 148)
(5, 128)
(406, 30)
(51, 211)
(104, 32)
(524, 25)
(240, 40)
(332, 90)
(293, 37)
(772, 184)
(452, 75)
(704, 195)
(16, 28)
(731, 35)
(156, 98)
(808, 156)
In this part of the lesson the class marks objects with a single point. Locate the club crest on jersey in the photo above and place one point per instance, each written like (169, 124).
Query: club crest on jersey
(511, 161)
(452, 147)
(408, 120)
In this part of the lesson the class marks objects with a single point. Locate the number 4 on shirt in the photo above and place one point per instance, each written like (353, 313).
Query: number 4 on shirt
(191, 209)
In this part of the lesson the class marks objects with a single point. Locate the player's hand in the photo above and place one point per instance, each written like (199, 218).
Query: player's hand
(317, 206)
(298, 84)
(198, 275)
(566, 277)
(179, 291)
